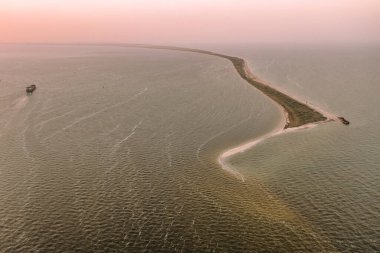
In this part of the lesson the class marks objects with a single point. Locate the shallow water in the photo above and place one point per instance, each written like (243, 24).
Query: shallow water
(117, 148)
(329, 174)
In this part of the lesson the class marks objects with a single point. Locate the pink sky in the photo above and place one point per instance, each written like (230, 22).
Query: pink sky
(190, 21)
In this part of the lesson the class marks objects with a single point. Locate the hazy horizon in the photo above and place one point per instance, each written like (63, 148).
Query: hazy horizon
(264, 137)
(158, 21)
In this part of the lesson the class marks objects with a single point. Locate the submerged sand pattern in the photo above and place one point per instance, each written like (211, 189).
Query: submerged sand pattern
(297, 115)
(86, 168)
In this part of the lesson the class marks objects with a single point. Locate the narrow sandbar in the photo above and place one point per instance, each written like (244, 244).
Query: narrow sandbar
(297, 115)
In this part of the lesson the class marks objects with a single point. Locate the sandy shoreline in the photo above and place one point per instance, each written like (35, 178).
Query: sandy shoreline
(222, 158)
(297, 115)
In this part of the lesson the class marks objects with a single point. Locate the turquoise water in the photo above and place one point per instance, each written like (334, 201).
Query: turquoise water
(117, 148)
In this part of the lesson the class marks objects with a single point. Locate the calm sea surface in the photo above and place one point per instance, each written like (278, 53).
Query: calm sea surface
(116, 152)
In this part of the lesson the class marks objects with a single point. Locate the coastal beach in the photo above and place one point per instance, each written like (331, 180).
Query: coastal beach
(296, 112)
(297, 115)
(126, 145)
(190, 126)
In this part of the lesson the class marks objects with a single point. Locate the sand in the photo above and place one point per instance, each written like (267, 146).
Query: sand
(297, 115)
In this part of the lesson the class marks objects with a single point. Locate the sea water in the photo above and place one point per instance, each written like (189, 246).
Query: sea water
(117, 150)
(329, 174)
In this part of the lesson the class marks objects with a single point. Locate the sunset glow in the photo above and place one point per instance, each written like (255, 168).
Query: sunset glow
(189, 21)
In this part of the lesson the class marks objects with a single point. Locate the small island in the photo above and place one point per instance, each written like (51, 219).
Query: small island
(297, 114)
